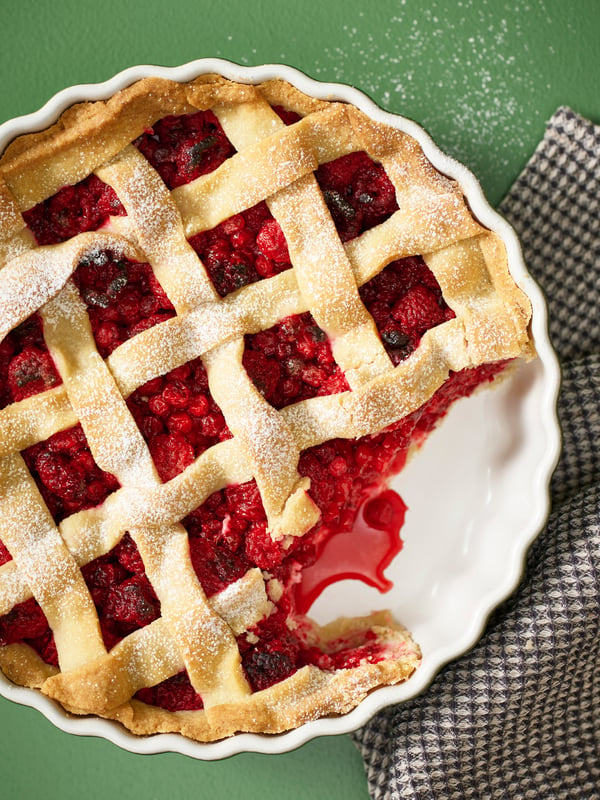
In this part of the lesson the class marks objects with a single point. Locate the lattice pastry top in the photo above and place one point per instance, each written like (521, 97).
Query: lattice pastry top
(220, 305)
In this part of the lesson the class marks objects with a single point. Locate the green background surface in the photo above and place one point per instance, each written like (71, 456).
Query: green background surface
(482, 77)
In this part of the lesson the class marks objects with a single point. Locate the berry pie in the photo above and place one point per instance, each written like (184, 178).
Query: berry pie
(228, 314)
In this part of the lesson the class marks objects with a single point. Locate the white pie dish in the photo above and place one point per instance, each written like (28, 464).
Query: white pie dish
(460, 559)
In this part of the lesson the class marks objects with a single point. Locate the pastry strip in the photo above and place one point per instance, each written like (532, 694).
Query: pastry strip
(48, 568)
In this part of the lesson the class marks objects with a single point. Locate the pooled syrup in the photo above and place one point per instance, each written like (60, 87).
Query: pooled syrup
(363, 553)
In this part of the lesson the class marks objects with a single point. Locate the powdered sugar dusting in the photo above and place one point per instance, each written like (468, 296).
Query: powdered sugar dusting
(242, 603)
(27, 283)
(465, 73)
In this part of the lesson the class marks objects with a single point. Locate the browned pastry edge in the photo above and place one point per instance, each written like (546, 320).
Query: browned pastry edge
(307, 695)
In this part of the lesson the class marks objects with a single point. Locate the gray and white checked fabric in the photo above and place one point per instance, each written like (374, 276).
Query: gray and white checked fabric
(519, 716)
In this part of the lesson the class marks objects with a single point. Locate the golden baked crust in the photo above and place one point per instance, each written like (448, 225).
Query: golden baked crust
(275, 163)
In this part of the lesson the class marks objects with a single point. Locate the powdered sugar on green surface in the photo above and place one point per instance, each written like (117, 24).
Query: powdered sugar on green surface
(476, 74)
(464, 78)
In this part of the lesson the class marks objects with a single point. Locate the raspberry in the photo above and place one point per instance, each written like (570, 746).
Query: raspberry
(216, 249)
(31, 372)
(102, 573)
(290, 388)
(108, 337)
(176, 394)
(212, 424)
(313, 376)
(171, 453)
(46, 647)
(405, 300)
(244, 501)
(265, 372)
(275, 655)
(151, 426)
(234, 224)
(132, 604)
(268, 663)
(69, 442)
(56, 474)
(271, 241)
(417, 311)
(216, 566)
(128, 555)
(24, 375)
(121, 591)
(338, 466)
(334, 384)
(199, 405)
(144, 324)
(180, 422)
(181, 373)
(178, 417)
(261, 549)
(173, 694)
(123, 298)
(158, 406)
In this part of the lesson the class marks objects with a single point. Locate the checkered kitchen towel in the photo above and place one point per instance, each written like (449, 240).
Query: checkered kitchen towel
(519, 716)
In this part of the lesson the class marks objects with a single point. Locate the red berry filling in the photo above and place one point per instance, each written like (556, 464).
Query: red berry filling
(66, 474)
(26, 366)
(355, 188)
(344, 472)
(124, 599)
(228, 535)
(289, 117)
(123, 298)
(292, 361)
(243, 249)
(271, 652)
(86, 206)
(26, 622)
(174, 694)
(362, 553)
(405, 300)
(184, 147)
(344, 654)
(358, 193)
(178, 417)
(459, 384)
(230, 527)
(4, 554)
(122, 593)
